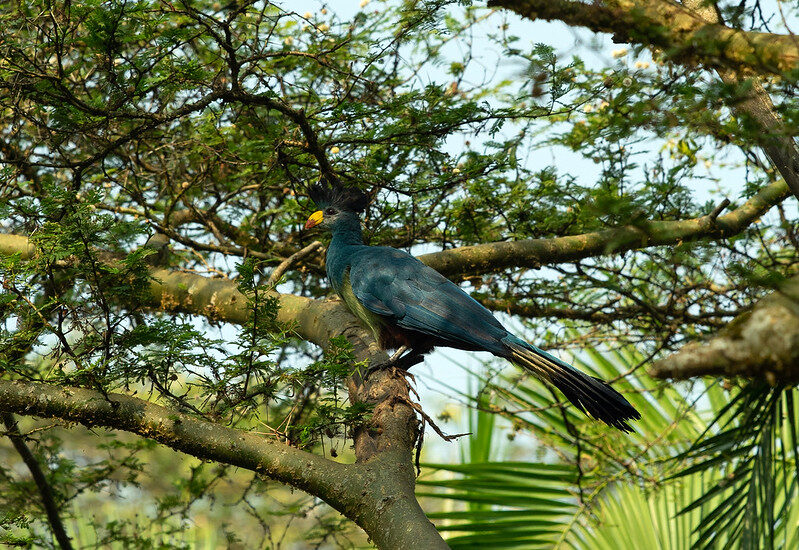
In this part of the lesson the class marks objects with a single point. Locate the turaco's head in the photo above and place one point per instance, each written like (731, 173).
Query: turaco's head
(337, 205)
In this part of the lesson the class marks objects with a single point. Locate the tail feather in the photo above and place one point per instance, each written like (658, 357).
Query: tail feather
(591, 395)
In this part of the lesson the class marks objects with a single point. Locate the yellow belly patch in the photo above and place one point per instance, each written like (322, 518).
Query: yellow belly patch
(371, 320)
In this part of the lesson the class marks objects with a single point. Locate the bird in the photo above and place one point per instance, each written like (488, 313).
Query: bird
(411, 308)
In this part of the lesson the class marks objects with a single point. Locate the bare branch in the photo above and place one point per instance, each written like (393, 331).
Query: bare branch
(278, 272)
(497, 256)
(533, 253)
(43, 486)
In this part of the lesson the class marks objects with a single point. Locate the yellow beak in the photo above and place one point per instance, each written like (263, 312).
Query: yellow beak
(315, 219)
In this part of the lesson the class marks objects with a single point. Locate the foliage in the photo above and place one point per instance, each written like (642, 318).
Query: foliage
(198, 125)
(721, 477)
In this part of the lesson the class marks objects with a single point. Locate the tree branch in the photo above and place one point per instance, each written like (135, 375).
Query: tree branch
(775, 140)
(374, 494)
(377, 493)
(179, 431)
(687, 36)
(296, 116)
(533, 253)
(762, 343)
(43, 486)
(692, 33)
(490, 257)
(281, 269)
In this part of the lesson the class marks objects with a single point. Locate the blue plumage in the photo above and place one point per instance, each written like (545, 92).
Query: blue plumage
(406, 303)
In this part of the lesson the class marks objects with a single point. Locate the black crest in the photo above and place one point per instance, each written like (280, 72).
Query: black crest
(347, 198)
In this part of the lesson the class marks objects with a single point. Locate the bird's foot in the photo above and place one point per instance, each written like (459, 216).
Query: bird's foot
(398, 362)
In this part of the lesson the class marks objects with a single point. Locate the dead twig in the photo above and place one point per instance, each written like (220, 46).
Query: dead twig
(283, 266)
(718, 210)
(426, 418)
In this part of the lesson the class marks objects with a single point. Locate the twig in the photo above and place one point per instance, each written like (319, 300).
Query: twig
(419, 442)
(278, 272)
(718, 210)
(426, 417)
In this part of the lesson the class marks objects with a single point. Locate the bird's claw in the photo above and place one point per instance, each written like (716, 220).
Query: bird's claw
(396, 364)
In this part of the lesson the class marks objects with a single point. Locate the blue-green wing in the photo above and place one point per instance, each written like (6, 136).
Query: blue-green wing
(415, 297)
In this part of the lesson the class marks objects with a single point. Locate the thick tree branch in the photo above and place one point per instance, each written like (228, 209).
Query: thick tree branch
(378, 493)
(373, 494)
(685, 35)
(607, 313)
(492, 257)
(762, 343)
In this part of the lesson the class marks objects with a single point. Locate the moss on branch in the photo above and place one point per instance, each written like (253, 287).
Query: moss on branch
(762, 343)
(684, 33)
(533, 253)
(378, 494)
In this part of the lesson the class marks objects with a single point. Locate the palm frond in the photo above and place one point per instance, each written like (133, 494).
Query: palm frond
(522, 505)
(707, 467)
(755, 451)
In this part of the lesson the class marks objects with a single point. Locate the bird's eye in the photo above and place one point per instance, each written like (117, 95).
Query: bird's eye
(330, 211)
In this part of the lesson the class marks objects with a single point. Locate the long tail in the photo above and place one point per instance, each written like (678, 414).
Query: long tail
(589, 394)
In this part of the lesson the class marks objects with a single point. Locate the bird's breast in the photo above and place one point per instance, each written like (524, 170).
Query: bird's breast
(371, 320)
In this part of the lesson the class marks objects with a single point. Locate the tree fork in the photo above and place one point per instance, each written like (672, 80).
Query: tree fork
(377, 494)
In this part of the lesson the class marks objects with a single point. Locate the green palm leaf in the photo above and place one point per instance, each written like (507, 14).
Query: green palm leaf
(755, 451)
(706, 467)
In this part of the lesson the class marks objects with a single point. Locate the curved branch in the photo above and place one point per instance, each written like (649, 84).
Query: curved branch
(376, 495)
(762, 343)
(179, 431)
(485, 258)
(776, 141)
(662, 23)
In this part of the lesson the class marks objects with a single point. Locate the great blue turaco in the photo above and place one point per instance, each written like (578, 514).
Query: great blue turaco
(412, 308)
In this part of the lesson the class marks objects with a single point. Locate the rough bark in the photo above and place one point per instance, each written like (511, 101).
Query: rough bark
(775, 140)
(687, 35)
(762, 343)
(492, 257)
(489, 257)
(377, 492)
